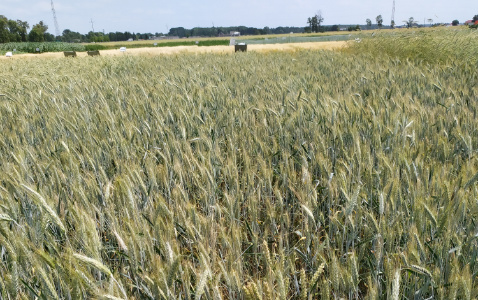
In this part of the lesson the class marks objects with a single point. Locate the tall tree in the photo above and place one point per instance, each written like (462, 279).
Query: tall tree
(4, 33)
(48, 37)
(315, 21)
(37, 34)
(410, 22)
(320, 19)
(369, 23)
(379, 20)
(71, 36)
(14, 31)
(23, 26)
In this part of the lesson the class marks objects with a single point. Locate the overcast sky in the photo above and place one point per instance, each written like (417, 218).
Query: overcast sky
(156, 16)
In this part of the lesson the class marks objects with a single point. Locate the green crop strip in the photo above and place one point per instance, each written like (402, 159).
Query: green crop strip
(60, 47)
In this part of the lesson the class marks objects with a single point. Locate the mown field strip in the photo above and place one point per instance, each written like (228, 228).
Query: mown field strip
(192, 49)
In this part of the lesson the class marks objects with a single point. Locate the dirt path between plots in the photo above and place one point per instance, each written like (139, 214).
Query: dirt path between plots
(194, 49)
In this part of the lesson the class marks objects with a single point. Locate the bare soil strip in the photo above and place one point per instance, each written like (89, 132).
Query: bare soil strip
(195, 49)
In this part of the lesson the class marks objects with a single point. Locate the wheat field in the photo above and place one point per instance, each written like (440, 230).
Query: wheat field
(280, 175)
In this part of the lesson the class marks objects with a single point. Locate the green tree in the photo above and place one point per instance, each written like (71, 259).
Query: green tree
(178, 31)
(4, 33)
(315, 21)
(410, 22)
(369, 23)
(37, 34)
(379, 20)
(310, 22)
(72, 36)
(14, 31)
(455, 22)
(48, 37)
(320, 19)
(23, 26)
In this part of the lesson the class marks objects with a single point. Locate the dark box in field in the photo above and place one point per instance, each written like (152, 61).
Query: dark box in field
(93, 53)
(240, 48)
(69, 53)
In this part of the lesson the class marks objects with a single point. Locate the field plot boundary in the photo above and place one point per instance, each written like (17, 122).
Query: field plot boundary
(195, 49)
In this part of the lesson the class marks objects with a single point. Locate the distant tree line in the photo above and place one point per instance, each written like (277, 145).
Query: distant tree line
(224, 31)
(76, 37)
(181, 32)
(17, 31)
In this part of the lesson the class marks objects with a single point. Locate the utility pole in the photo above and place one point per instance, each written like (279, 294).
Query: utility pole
(392, 23)
(57, 28)
(92, 27)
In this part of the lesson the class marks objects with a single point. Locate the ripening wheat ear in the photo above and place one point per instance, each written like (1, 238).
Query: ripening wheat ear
(396, 285)
(111, 297)
(315, 278)
(4, 217)
(267, 290)
(121, 243)
(268, 257)
(201, 285)
(251, 291)
(99, 266)
(303, 285)
(93, 263)
(39, 200)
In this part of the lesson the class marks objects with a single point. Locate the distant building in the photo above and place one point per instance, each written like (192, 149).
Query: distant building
(165, 37)
(469, 22)
(234, 33)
